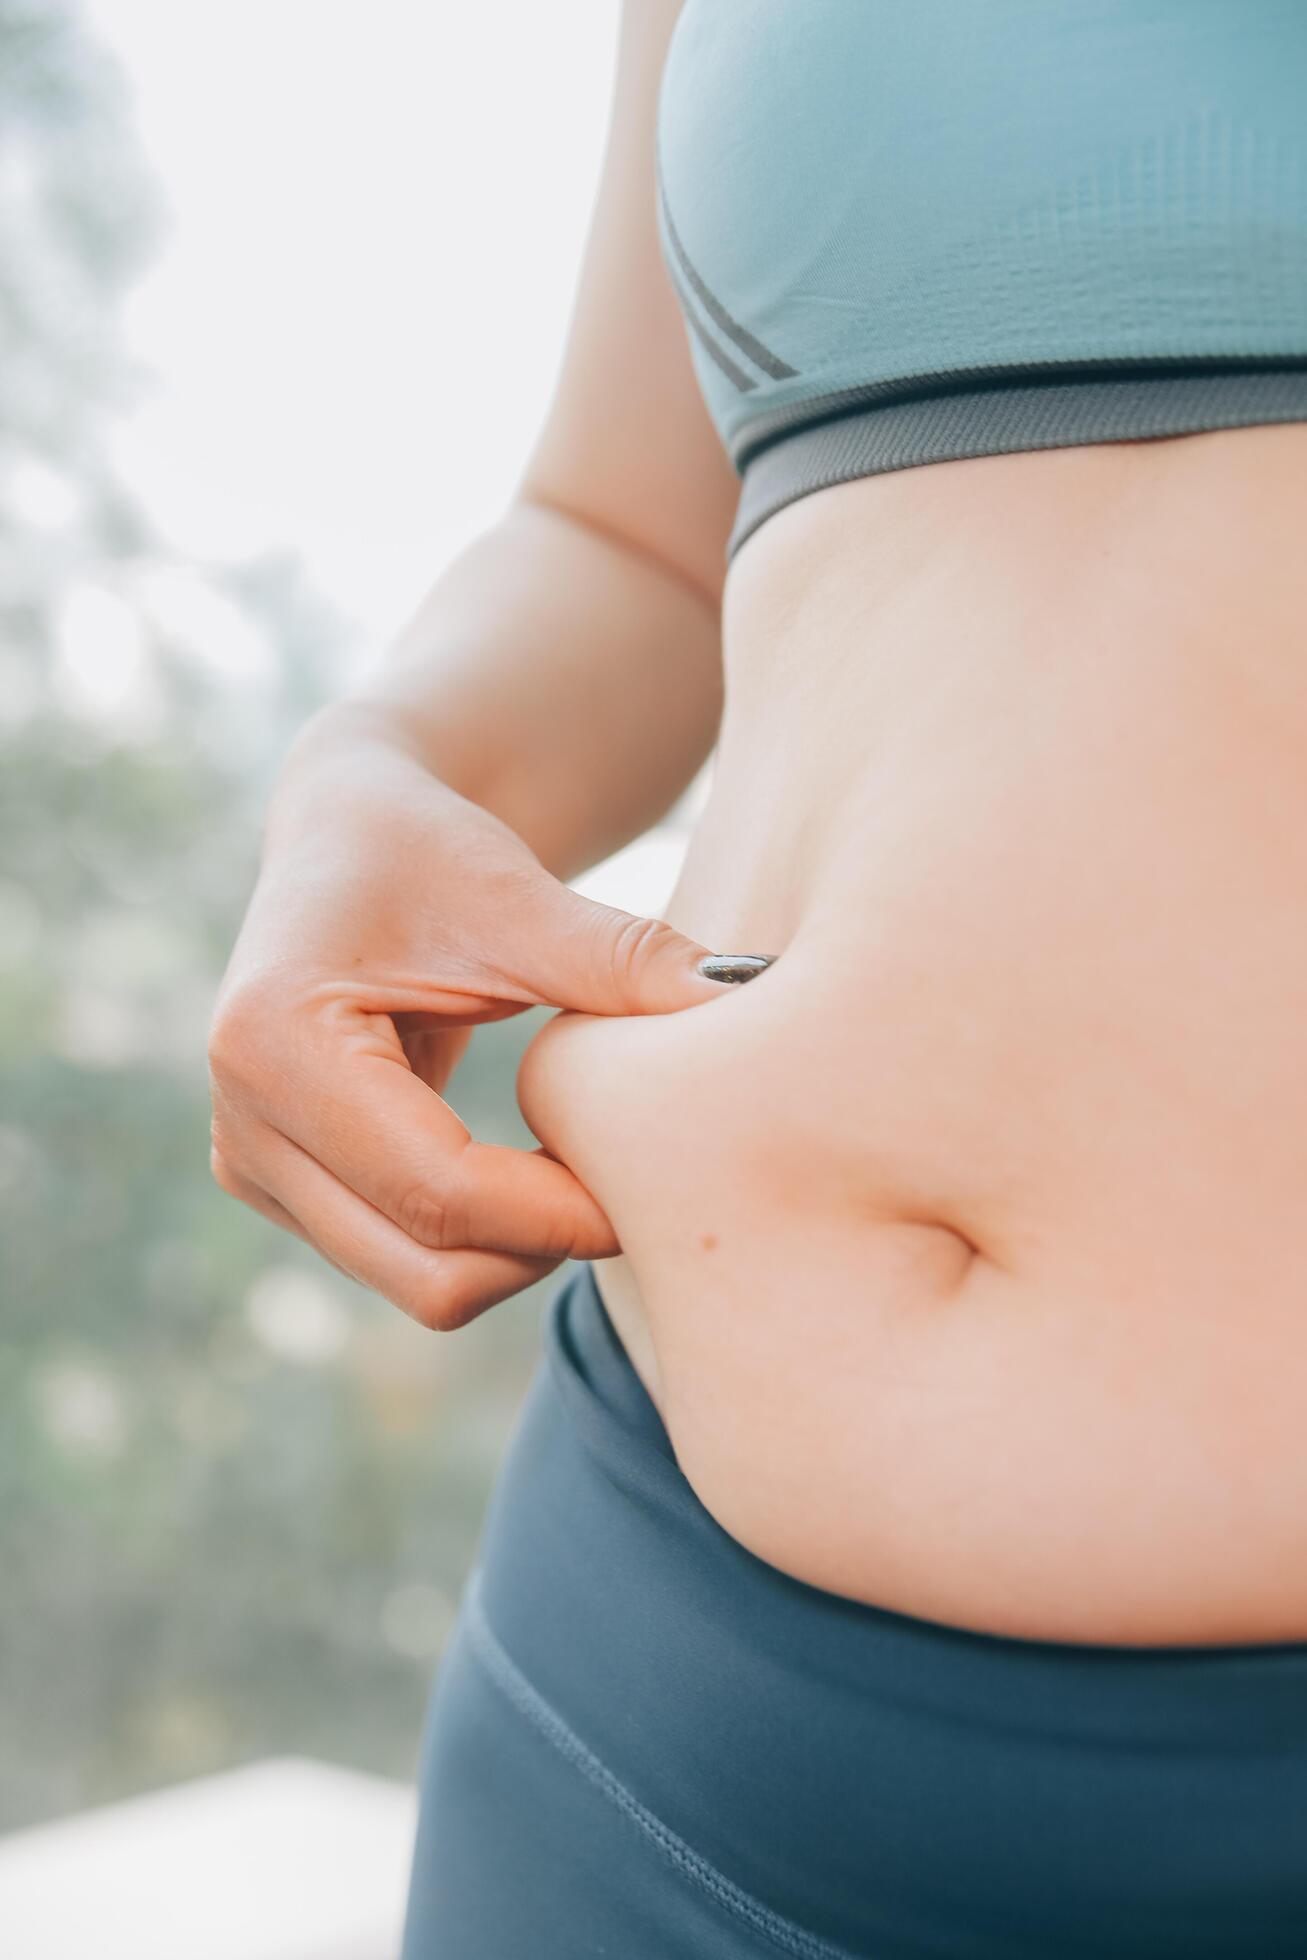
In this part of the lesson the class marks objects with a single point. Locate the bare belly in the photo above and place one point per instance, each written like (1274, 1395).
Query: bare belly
(964, 1251)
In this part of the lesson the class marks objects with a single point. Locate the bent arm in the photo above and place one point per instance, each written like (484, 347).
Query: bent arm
(565, 670)
(565, 682)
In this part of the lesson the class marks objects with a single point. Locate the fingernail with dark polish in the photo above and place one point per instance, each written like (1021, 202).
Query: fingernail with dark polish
(732, 968)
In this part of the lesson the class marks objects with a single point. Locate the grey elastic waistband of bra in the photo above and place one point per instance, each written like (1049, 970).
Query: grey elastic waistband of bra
(997, 420)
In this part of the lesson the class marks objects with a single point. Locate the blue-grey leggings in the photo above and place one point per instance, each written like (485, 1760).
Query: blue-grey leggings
(648, 1744)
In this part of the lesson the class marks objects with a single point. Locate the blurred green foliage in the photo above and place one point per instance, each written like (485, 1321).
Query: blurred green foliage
(238, 1497)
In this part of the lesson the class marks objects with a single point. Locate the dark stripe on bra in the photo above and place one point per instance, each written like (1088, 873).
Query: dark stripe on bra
(747, 343)
(743, 381)
(689, 307)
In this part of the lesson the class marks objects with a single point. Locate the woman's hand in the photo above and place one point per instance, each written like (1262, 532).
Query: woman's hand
(390, 915)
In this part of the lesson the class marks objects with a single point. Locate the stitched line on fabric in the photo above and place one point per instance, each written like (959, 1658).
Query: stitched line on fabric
(505, 1674)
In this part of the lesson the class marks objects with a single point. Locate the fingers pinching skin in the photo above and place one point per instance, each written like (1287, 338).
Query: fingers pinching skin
(355, 1105)
(248, 1193)
(351, 996)
(236, 1186)
(442, 1289)
(598, 959)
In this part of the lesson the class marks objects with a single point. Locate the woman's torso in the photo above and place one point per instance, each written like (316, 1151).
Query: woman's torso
(961, 1247)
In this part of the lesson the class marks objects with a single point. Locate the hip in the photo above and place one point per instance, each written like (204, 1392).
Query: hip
(674, 1747)
(1035, 1367)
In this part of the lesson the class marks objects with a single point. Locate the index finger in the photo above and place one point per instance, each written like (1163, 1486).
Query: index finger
(376, 1126)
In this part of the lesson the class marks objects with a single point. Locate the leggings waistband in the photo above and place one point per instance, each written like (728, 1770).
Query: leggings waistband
(890, 1785)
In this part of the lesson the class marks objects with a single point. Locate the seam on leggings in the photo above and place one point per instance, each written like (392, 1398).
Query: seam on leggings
(504, 1672)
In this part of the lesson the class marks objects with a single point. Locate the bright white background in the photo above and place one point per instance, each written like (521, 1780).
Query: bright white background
(377, 218)
(377, 214)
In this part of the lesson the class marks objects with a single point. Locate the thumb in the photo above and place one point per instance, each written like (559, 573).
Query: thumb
(601, 960)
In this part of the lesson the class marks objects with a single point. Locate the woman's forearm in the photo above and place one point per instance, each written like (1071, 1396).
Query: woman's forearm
(554, 675)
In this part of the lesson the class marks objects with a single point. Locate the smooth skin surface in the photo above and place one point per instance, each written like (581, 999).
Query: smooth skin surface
(959, 1248)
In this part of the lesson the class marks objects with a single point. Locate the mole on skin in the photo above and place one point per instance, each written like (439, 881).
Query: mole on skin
(708, 1241)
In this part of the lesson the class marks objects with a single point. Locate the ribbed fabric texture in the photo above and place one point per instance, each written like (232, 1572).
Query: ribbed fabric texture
(858, 193)
(1003, 419)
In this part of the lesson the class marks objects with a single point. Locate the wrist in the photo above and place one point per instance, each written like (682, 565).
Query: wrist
(347, 753)
(351, 726)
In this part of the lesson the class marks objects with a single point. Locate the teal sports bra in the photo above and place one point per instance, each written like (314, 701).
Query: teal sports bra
(903, 231)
